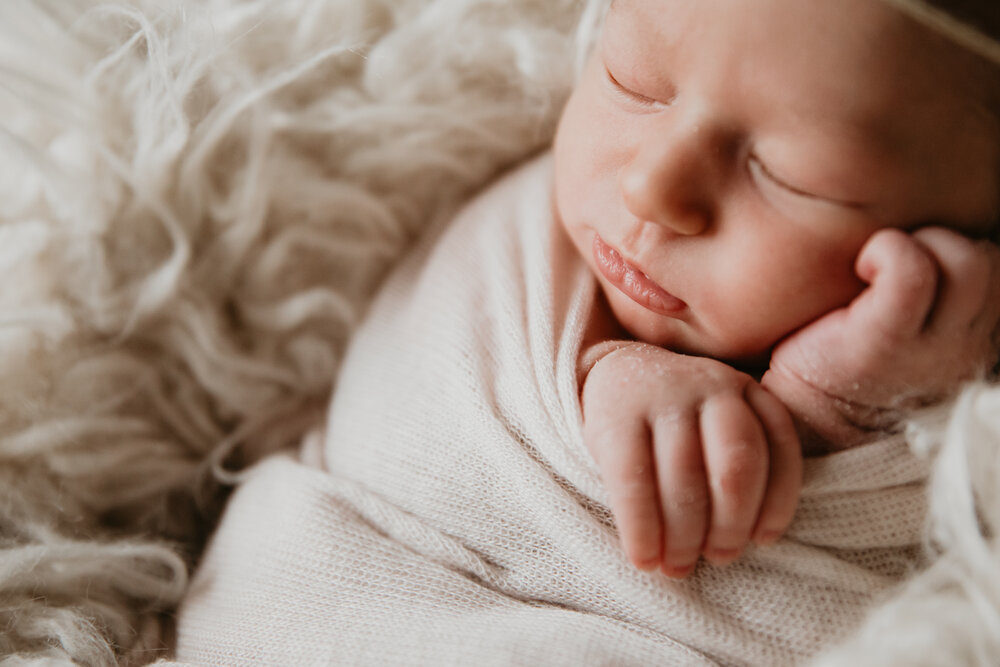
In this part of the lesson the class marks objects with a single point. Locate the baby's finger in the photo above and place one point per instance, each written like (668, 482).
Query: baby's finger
(784, 479)
(902, 279)
(964, 268)
(736, 462)
(625, 458)
(680, 467)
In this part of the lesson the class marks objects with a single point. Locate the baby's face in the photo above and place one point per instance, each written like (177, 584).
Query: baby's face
(722, 162)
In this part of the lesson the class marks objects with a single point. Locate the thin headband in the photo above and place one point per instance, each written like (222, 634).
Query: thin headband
(975, 24)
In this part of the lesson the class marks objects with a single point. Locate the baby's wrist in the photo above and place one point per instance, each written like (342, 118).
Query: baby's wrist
(826, 422)
(842, 426)
(591, 354)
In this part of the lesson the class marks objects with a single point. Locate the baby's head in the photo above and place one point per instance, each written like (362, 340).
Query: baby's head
(722, 162)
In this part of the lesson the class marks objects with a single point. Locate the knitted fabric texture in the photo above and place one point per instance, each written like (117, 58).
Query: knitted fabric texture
(462, 521)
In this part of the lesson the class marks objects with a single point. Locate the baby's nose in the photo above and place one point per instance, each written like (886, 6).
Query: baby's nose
(670, 181)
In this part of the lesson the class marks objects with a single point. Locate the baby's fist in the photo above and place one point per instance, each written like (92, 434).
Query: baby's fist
(696, 457)
(926, 323)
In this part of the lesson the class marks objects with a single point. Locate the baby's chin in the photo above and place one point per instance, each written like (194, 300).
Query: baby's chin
(684, 338)
(743, 358)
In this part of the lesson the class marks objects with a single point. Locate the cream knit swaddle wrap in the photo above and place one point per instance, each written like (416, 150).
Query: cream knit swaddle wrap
(460, 520)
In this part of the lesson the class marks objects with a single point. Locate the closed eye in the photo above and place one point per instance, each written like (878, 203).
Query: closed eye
(627, 93)
(760, 172)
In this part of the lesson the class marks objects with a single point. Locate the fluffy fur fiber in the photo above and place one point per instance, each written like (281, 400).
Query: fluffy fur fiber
(196, 201)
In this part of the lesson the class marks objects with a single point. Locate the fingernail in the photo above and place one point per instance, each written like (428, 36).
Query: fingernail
(766, 538)
(722, 556)
(678, 572)
(647, 565)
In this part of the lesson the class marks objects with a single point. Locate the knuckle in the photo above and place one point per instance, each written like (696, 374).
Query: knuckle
(932, 236)
(728, 538)
(960, 257)
(887, 238)
(739, 471)
(890, 247)
(904, 254)
(690, 503)
(682, 556)
(634, 492)
(669, 421)
(971, 265)
(715, 374)
(918, 272)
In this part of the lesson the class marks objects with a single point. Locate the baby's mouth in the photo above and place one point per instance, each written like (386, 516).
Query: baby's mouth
(632, 282)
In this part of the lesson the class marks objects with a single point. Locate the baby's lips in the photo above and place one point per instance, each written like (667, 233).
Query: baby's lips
(633, 282)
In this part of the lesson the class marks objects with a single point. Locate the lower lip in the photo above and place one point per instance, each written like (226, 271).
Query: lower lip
(632, 282)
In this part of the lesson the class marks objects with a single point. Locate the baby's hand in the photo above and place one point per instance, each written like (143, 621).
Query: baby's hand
(926, 323)
(697, 458)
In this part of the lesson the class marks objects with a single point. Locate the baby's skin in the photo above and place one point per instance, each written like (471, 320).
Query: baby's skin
(751, 193)
(699, 458)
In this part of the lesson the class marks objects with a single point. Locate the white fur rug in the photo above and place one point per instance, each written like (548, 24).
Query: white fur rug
(196, 201)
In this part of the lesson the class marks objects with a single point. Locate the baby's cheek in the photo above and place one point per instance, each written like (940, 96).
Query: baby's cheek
(745, 322)
(815, 282)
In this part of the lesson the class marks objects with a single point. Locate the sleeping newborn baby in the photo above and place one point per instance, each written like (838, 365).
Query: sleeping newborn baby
(690, 330)
(760, 185)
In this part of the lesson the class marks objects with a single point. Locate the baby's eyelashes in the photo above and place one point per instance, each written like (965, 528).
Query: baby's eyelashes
(629, 95)
(766, 179)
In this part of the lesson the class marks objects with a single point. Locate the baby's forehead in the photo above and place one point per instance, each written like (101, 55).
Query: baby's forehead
(883, 61)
